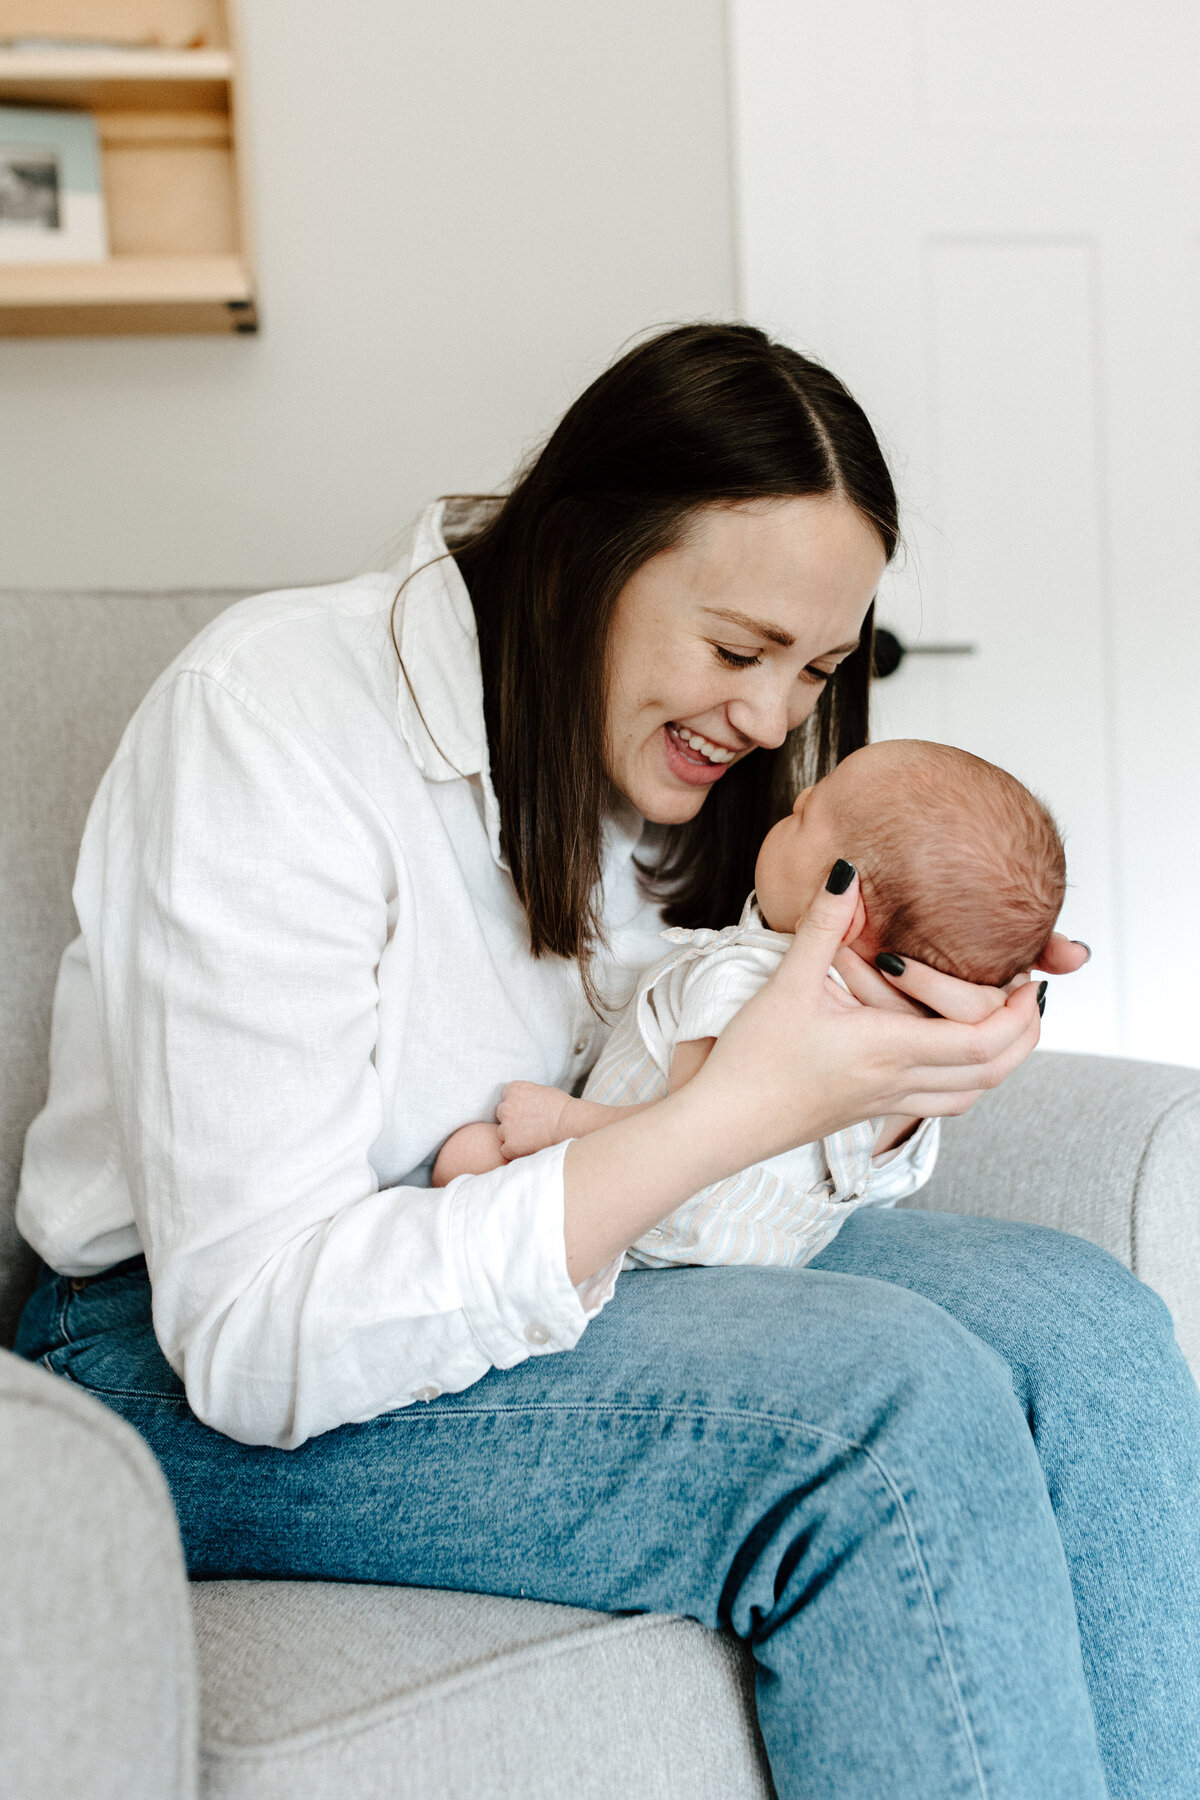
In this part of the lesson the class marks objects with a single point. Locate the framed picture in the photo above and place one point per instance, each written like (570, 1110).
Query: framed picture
(51, 199)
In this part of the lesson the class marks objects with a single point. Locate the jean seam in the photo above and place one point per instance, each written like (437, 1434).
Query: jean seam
(62, 1302)
(121, 1393)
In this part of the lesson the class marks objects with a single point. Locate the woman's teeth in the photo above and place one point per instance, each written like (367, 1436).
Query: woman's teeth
(712, 752)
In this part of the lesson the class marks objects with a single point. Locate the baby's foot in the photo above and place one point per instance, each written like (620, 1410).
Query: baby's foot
(530, 1117)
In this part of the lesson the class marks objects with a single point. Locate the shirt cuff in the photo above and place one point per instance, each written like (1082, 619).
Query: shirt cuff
(507, 1242)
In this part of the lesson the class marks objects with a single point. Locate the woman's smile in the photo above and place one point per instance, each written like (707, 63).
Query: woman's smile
(694, 758)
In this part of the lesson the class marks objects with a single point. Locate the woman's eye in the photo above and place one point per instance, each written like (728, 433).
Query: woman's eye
(816, 674)
(733, 660)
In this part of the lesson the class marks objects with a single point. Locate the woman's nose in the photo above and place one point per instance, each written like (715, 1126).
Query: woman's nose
(762, 717)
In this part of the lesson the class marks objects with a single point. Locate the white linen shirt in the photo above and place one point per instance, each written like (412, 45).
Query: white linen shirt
(302, 964)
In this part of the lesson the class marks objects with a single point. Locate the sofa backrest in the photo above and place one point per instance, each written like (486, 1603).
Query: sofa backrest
(72, 670)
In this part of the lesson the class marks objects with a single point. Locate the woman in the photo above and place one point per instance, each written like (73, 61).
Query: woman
(339, 885)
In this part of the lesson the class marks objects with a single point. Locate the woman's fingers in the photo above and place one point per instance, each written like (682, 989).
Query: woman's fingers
(1063, 955)
(822, 928)
(945, 995)
(944, 1106)
(968, 1054)
(868, 985)
(838, 996)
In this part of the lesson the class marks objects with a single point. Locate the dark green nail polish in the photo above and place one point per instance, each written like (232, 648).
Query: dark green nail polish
(1042, 986)
(840, 876)
(1083, 946)
(888, 963)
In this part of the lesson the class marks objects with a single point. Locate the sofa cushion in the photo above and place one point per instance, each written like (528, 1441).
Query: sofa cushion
(311, 1689)
(73, 668)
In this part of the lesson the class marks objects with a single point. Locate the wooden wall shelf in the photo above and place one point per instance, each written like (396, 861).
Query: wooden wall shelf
(163, 88)
(99, 78)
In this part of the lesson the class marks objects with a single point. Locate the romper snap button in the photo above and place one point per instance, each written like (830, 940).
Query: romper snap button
(78, 1283)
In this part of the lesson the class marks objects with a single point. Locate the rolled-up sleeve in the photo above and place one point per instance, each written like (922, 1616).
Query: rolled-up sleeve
(234, 919)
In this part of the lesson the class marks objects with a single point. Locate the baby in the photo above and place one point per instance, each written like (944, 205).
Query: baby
(959, 867)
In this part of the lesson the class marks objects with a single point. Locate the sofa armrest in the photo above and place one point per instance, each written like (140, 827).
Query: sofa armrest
(1101, 1147)
(99, 1694)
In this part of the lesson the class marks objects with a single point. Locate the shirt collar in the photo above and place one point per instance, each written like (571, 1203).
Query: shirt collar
(751, 914)
(439, 688)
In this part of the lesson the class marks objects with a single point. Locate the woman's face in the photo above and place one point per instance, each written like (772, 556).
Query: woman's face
(723, 643)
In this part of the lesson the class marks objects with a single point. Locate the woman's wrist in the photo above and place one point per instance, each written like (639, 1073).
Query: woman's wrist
(620, 1181)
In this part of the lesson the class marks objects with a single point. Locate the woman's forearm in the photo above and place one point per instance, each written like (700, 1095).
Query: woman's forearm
(624, 1178)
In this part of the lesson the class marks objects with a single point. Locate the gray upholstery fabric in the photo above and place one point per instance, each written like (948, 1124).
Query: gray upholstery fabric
(367, 1692)
(72, 669)
(98, 1696)
(1098, 1146)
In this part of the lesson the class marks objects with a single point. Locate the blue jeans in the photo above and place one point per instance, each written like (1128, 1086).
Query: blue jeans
(944, 1482)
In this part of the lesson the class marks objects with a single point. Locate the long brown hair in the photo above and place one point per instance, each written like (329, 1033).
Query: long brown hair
(696, 416)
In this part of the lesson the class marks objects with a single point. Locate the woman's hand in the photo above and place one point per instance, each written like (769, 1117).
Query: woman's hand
(962, 1000)
(797, 1063)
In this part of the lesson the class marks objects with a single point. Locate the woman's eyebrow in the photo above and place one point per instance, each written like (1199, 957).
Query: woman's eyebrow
(774, 634)
(757, 627)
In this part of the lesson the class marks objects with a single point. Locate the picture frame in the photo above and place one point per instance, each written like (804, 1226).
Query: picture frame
(51, 193)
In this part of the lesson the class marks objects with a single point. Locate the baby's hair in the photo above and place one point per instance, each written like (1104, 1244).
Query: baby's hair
(963, 870)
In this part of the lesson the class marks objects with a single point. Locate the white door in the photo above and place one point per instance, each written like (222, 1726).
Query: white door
(986, 219)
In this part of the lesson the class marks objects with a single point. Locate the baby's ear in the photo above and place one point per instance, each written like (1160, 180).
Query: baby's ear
(859, 929)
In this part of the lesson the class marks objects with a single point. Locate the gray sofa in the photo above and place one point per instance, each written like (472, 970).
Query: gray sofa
(121, 1680)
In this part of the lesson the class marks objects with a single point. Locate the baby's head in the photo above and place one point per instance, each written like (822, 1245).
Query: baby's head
(959, 865)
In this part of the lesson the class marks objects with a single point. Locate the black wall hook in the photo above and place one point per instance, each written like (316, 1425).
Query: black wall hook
(890, 652)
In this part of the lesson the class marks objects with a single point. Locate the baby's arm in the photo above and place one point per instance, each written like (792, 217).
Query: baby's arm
(471, 1150)
(530, 1116)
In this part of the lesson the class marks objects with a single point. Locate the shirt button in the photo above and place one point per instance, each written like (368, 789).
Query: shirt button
(426, 1393)
(581, 1046)
(537, 1334)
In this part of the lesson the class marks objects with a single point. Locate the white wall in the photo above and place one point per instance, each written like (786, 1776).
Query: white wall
(987, 219)
(463, 209)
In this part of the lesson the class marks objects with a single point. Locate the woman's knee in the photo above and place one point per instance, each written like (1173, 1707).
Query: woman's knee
(854, 1357)
(1087, 1339)
(1093, 1304)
